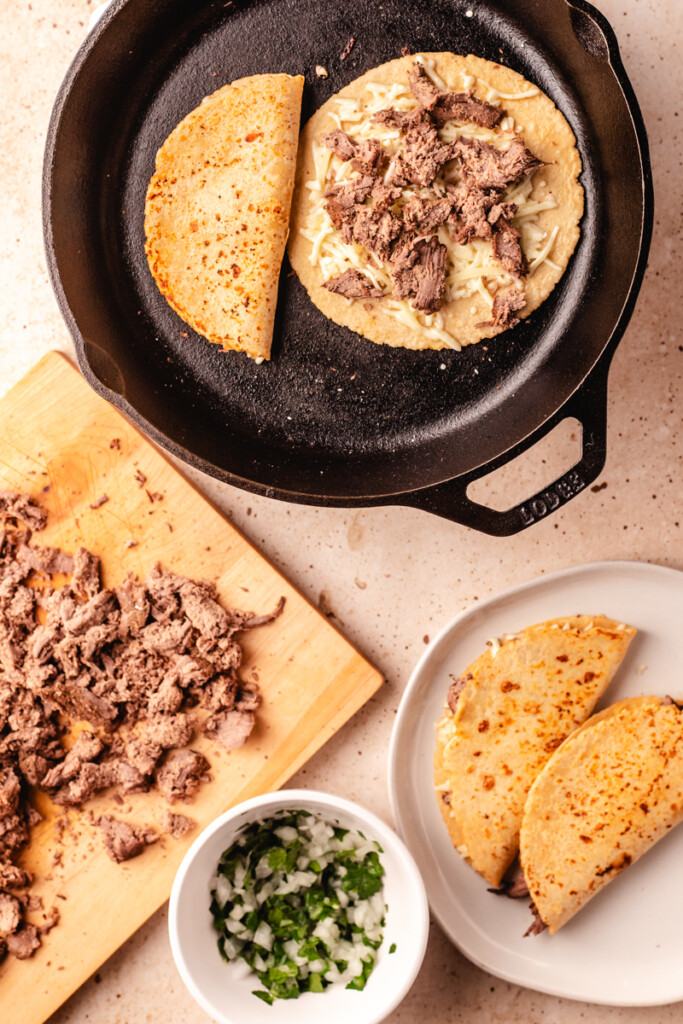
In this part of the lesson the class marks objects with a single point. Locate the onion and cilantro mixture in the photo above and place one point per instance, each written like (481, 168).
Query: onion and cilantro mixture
(300, 900)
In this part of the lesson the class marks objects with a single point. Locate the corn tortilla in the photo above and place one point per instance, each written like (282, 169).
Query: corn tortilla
(217, 210)
(519, 703)
(545, 132)
(607, 795)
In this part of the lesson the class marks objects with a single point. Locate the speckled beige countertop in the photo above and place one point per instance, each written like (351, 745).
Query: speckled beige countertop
(392, 577)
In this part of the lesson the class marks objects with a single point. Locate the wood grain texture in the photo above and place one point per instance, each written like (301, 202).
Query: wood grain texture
(56, 444)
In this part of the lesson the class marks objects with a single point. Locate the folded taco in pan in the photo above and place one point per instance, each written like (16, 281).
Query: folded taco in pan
(217, 210)
(607, 795)
(437, 201)
(505, 716)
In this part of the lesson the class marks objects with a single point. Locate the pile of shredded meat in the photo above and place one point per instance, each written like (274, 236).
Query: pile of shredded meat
(133, 662)
(362, 208)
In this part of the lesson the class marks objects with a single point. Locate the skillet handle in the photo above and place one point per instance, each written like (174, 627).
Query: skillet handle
(588, 405)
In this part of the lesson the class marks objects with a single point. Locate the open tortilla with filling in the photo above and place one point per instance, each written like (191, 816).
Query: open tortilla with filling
(217, 210)
(506, 715)
(549, 204)
(611, 791)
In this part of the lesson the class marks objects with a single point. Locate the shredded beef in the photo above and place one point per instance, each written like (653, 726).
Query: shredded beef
(460, 106)
(422, 87)
(344, 202)
(127, 777)
(341, 144)
(86, 748)
(231, 728)
(134, 606)
(181, 776)
(451, 106)
(90, 779)
(20, 506)
(353, 285)
(537, 925)
(385, 195)
(424, 215)
(478, 212)
(365, 156)
(500, 212)
(46, 561)
(23, 943)
(401, 119)
(13, 877)
(505, 305)
(423, 155)
(418, 272)
(86, 574)
(177, 825)
(455, 689)
(368, 158)
(513, 884)
(123, 841)
(377, 230)
(471, 208)
(10, 792)
(10, 914)
(74, 698)
(484, 167)
(128, 661)
(507, 249)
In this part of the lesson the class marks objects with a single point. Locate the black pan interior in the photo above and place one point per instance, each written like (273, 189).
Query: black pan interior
(331, 415)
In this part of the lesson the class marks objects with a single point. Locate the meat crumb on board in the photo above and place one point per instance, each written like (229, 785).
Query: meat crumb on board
(131, 661)
(123, 841)
(177, 825)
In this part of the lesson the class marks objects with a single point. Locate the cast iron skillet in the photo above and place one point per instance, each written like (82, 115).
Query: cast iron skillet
(334, 419)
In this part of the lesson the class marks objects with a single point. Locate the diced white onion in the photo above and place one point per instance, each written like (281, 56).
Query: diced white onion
(286, 833)
(223, 890)
(263, 936)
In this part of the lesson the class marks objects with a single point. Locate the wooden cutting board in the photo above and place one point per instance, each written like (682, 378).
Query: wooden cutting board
(67, 447)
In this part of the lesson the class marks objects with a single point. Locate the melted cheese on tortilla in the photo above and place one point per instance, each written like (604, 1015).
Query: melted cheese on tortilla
(470, 269)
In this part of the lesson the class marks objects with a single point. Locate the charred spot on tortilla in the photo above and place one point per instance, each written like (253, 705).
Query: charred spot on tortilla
(448, 186)
(217, 210)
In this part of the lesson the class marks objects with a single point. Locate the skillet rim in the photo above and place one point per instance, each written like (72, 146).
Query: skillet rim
(397, 495)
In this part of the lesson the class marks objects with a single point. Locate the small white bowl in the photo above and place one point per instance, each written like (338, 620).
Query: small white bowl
(225, 991)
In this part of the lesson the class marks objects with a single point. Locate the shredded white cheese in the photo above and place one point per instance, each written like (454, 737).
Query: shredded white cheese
(494, 644)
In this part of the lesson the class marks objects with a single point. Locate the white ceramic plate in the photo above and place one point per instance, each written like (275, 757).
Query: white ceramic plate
(625, 947)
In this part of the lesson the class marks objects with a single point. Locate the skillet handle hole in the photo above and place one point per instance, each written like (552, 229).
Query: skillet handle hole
(532, 471)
